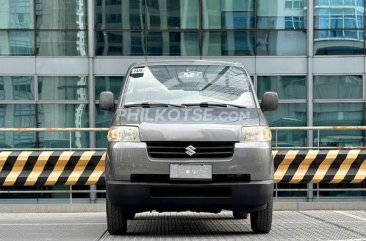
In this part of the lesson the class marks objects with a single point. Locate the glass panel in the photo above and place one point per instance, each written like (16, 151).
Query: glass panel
(342, 25)
(102, 120)
(110, 43)
(340, 114)
(133, 44)
(294, 4)
(185, 84)
(63, 88)
(338, 42)
(339, 15)
(108, 83)
(287, 87)
(338, 87)
(65, 14)
(345, 193)
(228, 14)
(173, 43)
(228, 43)
(62, 140)
(16, 88)
(126, 14)
(114, 43)
(63, 115)
(281, 43)
(16, 43)
(62, 43)
(16, 14)
(176, 14)
(288, 115)
(275, 16)
(17, 116)
(289, 194)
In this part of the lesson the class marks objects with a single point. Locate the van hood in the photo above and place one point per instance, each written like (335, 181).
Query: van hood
(188, 124)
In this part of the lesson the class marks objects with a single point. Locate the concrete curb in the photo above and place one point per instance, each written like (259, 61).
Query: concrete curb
(321, 205)
(100, 207)
(52, 208)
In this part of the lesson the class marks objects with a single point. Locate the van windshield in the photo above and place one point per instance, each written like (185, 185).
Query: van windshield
(189, 84)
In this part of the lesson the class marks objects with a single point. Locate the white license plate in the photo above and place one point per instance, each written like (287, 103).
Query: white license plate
(190, 171)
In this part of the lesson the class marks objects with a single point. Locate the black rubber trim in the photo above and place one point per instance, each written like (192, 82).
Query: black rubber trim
(234, 196)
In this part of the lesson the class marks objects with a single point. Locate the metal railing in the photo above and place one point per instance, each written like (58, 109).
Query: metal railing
(318, 130)
(318, 190)
(66, 130)
(70, 191)
(277, 190)
(276, 130)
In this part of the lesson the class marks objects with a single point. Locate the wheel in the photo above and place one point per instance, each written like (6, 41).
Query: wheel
(240, 215)
(261, 221)
(116, 219)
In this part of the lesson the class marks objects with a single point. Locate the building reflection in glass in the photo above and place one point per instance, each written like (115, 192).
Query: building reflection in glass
(59, 102)
(282, 27)
(340, 114)
(111, 17)
(16, 19)
(17, 116)
(339, 27)
(62, 24)
(184, 28)
(16, 14)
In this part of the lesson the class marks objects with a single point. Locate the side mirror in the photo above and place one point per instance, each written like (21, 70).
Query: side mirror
(106, 101)
(269, 101)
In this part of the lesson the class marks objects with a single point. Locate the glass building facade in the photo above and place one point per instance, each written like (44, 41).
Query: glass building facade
(57, 56)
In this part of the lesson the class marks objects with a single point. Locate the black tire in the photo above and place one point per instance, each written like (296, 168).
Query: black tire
(261, 221)
(240, 215)
(116, 219)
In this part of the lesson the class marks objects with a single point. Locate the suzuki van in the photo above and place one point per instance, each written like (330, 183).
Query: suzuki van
(189, 136)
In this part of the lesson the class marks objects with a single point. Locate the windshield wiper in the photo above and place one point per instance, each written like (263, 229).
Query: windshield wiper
(150, 104)
(213, 104)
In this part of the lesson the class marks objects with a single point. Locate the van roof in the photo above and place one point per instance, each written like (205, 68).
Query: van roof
(187, 62)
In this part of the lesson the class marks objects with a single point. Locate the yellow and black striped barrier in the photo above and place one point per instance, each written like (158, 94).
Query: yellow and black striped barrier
(324, 166)
(47, 168)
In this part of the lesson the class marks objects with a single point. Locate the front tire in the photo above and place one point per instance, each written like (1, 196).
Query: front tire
(116, 219)
(240, 215)
(261, 221)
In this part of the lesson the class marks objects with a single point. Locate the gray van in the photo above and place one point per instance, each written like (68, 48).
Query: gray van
(189, 135)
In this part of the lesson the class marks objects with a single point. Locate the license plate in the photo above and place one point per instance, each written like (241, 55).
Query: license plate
(190, 171)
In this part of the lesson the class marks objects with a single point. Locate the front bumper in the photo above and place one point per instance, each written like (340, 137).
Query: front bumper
(140, 197)
(126, 159)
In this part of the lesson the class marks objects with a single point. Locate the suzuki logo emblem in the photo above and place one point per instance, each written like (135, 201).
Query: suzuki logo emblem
(190, 150)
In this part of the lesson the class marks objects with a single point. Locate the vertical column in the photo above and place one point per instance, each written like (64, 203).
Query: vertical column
(91, 86)
(310, 27)
(364, 102)
(364, 86)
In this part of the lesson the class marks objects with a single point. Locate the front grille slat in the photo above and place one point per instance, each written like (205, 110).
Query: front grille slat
(201, 149)
(197, 147)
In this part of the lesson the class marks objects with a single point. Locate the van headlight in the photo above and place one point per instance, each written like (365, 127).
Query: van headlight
(124, 134)
(255, 133)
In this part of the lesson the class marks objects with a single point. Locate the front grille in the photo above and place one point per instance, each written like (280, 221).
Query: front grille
(190, 149)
